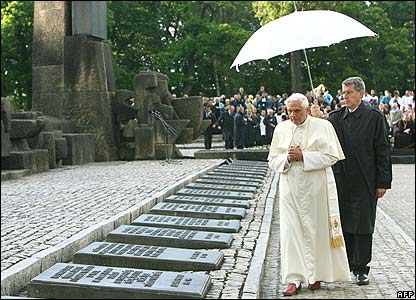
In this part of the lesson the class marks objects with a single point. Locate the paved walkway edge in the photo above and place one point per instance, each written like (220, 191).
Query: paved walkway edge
(251, 289)
(15, 278)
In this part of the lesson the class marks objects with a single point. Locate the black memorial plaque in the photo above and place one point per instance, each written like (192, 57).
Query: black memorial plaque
(207, 201)
(241, 171)
(149, 257)
(216, 194)
(187, 223)
(249, 165)
(75, 281)
(237, 173)
(169, 237)
(228, 181)
(198, 211)
(221, 187)
(244, 167)
(230, 176)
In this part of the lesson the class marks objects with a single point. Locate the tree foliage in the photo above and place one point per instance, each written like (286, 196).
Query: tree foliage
(16, 52)
(195, 42)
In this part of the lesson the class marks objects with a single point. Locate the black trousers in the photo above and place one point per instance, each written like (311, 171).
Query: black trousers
(358, 251)
(208, 139)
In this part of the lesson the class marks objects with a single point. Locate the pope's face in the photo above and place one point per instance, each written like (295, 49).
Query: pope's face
(297, 113)
(352, 97)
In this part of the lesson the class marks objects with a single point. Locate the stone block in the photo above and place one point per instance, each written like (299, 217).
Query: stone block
(25, 128)
(207, 201)
(170, 237)
(202, 126)
(199, 211)
(229, 176)
(50, 18)
(187, 223)
(238, 173)
(26, 115)
(122, 106)
(51, 104)
(227, 182)
(100, 282)
(186, 136)
(190, 108)
(50, 145)
(221, 187)
(61, 148)
(85, 65)
(89, 18)
(58, 125)
(164, 151)
(48, 51)
(6, 144)
(109, 68)
(144, 143)
(216, 194)
(6, 111)
(127, 151)
(161, 131)
(48, 79)
(81, 148)
(148, 257)
(91, 113)
(35, 160)
(20, 145)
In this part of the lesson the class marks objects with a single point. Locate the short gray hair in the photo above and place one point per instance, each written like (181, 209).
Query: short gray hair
(356, 81)
(298, 97)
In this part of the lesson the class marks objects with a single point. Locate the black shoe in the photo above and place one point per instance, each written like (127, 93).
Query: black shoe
(362, 279)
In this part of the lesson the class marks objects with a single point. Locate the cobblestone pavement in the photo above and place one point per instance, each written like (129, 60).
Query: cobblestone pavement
(42, 210)
(393, 263)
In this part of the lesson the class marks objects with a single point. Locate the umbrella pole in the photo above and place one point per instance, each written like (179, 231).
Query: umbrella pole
(307, 62)
(309, 72)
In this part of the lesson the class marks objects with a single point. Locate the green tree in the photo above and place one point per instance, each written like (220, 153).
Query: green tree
(16, 52)
(195, 42)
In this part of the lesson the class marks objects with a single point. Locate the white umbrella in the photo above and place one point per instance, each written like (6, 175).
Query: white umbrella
(300, 30)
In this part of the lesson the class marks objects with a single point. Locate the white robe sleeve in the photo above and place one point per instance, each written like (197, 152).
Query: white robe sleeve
(314, 160)
(279, 163)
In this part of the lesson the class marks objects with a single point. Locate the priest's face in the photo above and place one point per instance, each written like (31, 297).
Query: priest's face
(297, 113)
(351, 96)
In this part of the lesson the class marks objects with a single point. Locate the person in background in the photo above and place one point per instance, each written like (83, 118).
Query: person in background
(208, 115)
(226, 123)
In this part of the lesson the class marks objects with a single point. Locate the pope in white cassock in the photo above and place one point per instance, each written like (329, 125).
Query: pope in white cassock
(312, 246)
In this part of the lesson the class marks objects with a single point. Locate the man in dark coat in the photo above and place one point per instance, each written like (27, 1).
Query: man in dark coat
(364, 176)
(271, 122)
(226, 122)
(239, 128)
(251, 128)
(208, 115)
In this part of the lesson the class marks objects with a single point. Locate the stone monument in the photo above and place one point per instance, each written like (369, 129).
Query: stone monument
(73, 77)
(77, 114)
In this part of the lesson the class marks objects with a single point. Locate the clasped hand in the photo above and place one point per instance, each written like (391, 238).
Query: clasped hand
(294, 153)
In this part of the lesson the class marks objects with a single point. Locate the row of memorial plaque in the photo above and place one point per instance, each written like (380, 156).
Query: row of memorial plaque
(170, 240)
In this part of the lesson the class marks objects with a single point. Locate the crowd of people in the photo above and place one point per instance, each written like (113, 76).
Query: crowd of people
(248, 120)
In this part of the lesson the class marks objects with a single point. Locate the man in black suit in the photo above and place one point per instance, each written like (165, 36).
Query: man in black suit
(208, 115)
(226, 122)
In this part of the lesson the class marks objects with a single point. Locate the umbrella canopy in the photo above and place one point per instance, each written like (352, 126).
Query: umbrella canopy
(300, 30)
